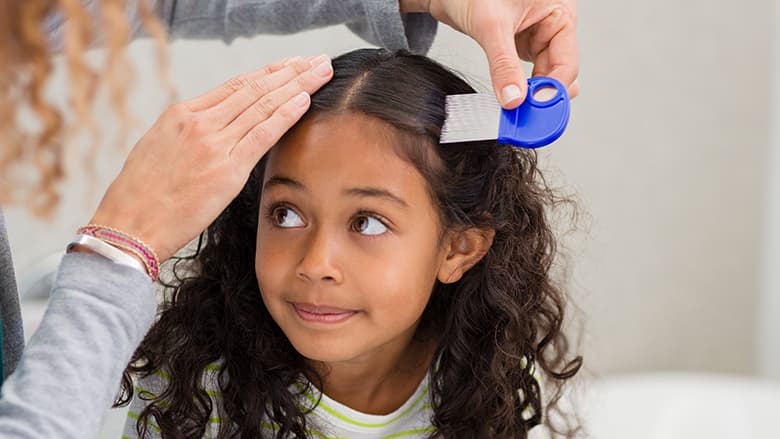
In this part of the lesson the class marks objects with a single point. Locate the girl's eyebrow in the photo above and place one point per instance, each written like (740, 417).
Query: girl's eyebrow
(283, 181)
(375, 192)
(355, 192)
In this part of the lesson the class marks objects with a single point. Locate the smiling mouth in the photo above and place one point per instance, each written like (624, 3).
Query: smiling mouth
(322, 314)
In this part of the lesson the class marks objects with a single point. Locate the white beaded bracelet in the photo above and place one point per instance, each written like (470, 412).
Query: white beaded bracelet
(108, 251)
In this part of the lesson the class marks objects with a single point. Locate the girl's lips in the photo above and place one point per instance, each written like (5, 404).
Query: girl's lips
(322, 314)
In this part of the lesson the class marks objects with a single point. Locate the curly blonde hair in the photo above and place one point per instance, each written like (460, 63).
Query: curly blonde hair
(32, 158)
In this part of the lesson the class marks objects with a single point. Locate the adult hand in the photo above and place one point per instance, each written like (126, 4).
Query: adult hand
(539, 31)
(199, 153)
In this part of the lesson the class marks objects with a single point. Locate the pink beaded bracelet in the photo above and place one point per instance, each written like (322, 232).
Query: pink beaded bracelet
(127, 242)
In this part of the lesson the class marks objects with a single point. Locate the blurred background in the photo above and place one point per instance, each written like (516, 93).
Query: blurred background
(673, 152)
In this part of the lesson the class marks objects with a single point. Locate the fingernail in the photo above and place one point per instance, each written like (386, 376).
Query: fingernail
(510, 93)
(317, 60)
(323, 69)
(301, 100)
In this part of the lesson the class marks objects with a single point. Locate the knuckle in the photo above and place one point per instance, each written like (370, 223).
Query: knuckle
(288, 114)
(564, 14)
(300, 65)
(197, 124)
(264, 106)
(196, 127)
(568, 14)
(235, 84)
(261, 135)
(503, 63)
(178, 112)
(270, 68)
(260, 87)
(308, 83)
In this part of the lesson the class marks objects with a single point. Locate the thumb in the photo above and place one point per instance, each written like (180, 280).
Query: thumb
(510, 83)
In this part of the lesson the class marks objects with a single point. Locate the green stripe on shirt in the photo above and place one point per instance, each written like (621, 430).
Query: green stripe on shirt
(345, 418)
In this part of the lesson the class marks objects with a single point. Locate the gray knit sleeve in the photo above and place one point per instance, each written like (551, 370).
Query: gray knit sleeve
(383, 25)
(10, 314)
(377, 21)
(97, 315)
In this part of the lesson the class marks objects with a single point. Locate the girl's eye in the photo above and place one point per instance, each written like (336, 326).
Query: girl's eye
(286, 217)
(368, 225)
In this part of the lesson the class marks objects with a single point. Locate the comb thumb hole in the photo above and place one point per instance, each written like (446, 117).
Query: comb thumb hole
(545, 93)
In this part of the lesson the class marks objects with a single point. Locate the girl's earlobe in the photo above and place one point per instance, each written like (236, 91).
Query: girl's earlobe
(464, 250)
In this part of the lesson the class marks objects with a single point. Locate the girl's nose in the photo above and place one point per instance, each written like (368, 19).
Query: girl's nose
(318, 261)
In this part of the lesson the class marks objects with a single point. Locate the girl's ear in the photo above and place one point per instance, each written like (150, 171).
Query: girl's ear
(463, 249)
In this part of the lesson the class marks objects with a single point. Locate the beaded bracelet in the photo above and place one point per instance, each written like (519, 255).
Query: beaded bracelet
(127, 242)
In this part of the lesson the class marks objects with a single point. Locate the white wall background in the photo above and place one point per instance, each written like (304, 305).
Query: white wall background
(668, 151)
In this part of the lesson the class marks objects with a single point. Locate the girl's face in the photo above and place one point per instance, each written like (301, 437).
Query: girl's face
(348, 245)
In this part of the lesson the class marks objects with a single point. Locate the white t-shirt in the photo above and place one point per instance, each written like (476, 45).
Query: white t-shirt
(329, 420)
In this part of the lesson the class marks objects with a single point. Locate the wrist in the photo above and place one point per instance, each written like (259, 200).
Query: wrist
(78, 248)
(115, 244)
(90, 245)
(134, 225)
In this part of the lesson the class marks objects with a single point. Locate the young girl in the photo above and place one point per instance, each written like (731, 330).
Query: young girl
(368, 282)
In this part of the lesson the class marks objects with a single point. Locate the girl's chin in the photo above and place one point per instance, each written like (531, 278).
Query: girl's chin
(328, 355)
(324, 352)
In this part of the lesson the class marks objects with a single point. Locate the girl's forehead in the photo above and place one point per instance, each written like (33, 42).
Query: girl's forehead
(339, 146)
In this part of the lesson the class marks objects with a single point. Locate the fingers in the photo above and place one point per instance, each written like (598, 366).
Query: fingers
(574, 89)
(266, 106)
(222, 114)
(217, 95)
(554, 43)
(506, 73)
(267, 132)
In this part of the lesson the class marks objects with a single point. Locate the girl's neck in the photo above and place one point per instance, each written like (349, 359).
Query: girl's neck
(380, 383)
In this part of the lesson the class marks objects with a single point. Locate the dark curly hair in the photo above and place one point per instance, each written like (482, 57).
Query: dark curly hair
(498, 326)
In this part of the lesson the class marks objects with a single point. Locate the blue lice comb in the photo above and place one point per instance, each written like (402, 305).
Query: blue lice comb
(535, 123)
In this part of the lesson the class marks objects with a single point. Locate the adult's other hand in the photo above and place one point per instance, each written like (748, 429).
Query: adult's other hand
(198, 155)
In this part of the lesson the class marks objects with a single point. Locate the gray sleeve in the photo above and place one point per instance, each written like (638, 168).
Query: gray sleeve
(13, 332)
(377, 21)
(71, 369)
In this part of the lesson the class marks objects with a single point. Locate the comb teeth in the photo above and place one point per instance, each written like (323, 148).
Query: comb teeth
(470, 117)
